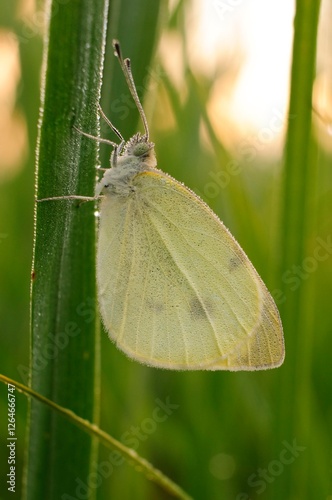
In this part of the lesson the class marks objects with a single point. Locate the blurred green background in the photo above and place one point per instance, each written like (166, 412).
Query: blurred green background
(229, 435)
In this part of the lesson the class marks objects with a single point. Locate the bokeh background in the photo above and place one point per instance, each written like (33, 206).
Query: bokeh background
(216, 97)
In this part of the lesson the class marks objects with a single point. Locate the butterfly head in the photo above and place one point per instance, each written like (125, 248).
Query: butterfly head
(139, 147)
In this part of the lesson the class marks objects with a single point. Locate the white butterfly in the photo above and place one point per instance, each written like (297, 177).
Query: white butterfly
(175, 289)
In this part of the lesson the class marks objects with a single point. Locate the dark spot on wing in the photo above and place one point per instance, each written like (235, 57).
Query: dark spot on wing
(234, 263)
(155, 305)
(198, 310)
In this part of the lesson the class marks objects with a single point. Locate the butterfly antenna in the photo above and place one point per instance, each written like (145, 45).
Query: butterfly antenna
(126, 69)
(110, 124)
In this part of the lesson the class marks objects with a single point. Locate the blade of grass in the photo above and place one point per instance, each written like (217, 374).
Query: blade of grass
(107, 440)
(296, 222)
(64, 341)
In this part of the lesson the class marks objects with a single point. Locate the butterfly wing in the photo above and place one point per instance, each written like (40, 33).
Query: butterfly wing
(175, 289)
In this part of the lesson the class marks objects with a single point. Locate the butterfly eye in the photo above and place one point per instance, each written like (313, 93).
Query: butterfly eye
(141, 149)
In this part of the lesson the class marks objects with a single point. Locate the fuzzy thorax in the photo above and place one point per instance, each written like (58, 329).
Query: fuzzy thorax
(137, 156)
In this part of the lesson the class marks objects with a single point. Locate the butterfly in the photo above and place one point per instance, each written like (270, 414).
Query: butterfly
(175, 289)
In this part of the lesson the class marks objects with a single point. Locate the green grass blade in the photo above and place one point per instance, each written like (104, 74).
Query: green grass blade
(296, 306)
(64, 343)
(107, 440)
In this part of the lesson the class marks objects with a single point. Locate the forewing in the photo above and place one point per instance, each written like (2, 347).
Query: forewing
(175, 289)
